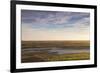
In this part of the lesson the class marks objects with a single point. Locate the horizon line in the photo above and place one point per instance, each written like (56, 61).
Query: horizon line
(55, 40)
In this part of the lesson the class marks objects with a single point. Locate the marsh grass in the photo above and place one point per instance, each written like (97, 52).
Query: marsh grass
(44, 56)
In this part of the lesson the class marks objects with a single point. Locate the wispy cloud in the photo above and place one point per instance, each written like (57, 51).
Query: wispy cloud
(50, 19)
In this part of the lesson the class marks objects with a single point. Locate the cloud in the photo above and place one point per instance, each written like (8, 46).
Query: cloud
(54, 19)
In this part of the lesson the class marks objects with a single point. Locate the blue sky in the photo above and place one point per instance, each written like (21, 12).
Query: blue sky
(54, 24)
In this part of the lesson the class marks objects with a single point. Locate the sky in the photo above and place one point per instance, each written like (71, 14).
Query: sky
(54, 25)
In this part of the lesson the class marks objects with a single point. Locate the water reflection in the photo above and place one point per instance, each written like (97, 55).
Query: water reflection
(58, 50)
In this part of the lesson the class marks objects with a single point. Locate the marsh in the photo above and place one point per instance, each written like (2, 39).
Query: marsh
(42, 51)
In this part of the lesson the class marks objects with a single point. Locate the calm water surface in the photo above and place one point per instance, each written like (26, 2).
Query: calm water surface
(57, 50)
